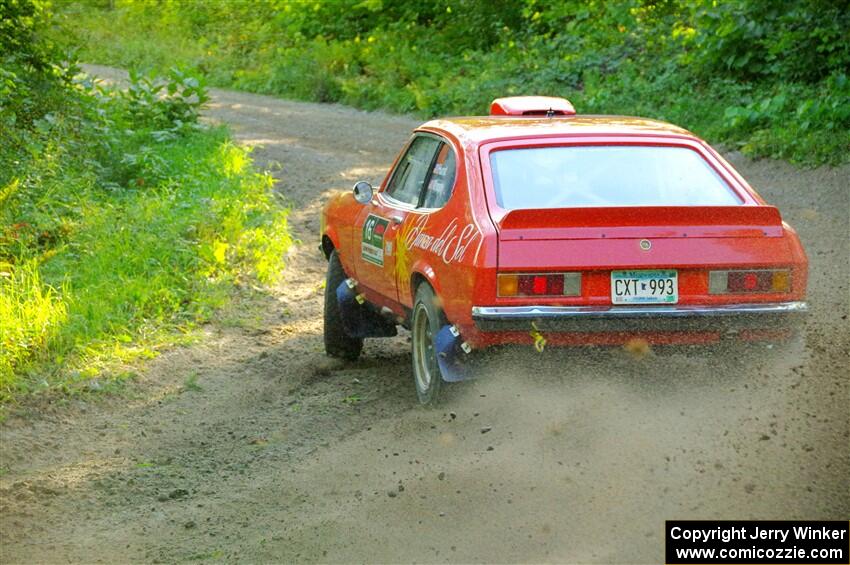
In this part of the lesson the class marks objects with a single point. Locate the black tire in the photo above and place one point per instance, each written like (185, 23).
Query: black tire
(337, 342)
(426, 320)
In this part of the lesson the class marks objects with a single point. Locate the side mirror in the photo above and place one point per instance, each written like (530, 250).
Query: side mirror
(363, 192)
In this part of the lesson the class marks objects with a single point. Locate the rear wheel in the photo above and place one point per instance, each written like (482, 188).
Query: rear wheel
(337, 342)
(426, 321)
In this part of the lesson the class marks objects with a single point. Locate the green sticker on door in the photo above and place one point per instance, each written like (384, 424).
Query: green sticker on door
(372, 244)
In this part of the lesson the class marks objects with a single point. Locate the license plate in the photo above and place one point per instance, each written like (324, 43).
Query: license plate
(645, 287)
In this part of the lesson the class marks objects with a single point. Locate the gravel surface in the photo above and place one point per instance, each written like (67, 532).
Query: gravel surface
(251, 445)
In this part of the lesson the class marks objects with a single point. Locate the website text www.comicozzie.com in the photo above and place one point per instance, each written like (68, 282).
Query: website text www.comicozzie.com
(754, 552)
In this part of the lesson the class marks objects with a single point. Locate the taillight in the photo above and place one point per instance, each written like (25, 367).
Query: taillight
(735, 282)
(539, 284)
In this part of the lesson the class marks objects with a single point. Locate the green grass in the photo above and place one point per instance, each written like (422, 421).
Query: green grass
(191, 384)
(31, 313)
(136, 269)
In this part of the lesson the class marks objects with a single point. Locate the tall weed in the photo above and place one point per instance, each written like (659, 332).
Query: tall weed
(31, 314)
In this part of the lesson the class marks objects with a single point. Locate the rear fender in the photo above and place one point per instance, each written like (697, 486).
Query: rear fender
(420, 272)
(799, 258)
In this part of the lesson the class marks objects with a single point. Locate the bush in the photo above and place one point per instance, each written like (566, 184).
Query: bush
(708, 66)
(123, 221)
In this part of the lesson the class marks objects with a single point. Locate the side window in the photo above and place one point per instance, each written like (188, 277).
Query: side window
(442, 178)
(409, 176)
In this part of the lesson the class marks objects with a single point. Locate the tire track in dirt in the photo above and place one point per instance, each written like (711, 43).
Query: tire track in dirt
(280, 454)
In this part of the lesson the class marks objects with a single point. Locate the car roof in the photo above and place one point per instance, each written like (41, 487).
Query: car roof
(481, 129)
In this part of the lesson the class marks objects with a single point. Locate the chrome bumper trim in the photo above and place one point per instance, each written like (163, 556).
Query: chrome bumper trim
(535, 312)
(726, 318)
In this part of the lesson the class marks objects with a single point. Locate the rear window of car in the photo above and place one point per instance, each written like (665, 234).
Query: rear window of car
(599, 176)
(442, 179)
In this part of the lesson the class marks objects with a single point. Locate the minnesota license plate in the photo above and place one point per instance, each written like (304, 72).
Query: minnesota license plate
(645, 287)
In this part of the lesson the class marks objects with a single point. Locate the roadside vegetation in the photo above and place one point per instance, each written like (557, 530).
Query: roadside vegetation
(124, 222)
(768, 77)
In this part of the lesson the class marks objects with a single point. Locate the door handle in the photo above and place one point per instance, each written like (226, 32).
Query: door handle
(397, 219)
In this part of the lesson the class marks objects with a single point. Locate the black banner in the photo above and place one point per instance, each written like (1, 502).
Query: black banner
(694, 542)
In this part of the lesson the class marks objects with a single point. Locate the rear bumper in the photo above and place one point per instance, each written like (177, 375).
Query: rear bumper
(679, 318)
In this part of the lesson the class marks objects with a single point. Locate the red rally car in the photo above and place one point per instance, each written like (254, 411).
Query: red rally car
(536, 225)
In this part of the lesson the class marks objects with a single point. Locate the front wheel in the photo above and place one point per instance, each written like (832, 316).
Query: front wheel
(337, 341)
(426, 321)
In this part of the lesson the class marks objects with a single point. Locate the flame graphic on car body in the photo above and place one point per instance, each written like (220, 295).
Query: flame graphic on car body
(402, 256)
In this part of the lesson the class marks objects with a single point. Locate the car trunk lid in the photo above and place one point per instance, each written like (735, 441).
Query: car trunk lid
(642, 237)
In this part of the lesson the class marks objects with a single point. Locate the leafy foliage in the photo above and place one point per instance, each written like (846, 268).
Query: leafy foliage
(123, 220)
(164, 104)
(789, 40)
(767, 76)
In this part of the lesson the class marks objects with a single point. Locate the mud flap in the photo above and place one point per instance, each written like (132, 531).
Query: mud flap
(358, 318)
(451, 352)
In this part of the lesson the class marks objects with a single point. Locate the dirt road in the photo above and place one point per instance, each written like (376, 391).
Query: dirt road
(252, 446)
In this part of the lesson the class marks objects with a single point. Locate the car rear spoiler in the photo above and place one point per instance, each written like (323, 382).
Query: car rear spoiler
(663, 221)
